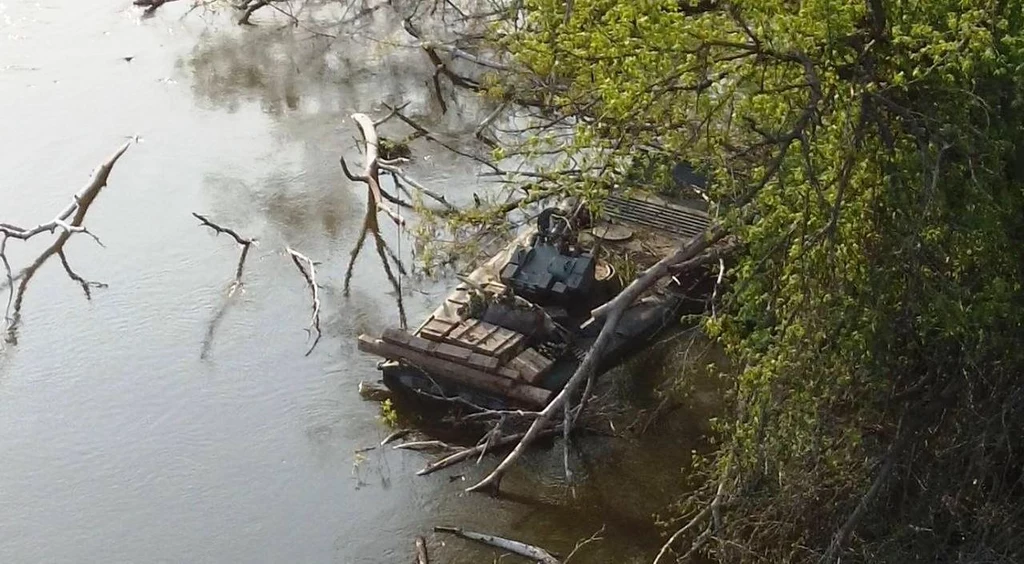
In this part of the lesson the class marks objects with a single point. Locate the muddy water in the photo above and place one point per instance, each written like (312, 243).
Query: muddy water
(165, 421)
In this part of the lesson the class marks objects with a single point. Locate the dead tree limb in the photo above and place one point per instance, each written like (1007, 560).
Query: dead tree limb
(421, 551)
(469, 453)
(593, 538)
(371, 166)
(69, 221)
(151, 6)
(368, 219)
(248, 7)
(423, 445)
(245, 242)
(384, 252)
(371, 176)
(455, 52)
(530, 551)
(395, 436)
(307, 267)
(10, 277)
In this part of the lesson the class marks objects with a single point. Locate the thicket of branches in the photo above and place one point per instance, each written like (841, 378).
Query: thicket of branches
(868, 155)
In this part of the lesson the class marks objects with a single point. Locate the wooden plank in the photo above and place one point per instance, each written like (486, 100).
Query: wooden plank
(518, 392)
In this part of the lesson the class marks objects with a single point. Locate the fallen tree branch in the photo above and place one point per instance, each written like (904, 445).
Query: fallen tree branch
(10, 277)
(245, 242)
(308, 269)
(236, 284)
(374, 203)
(421, 551)
(371, 165)
(530, 551)
(248, 7)
(395, 436)
(69, 221)
(700, 517)
(423, 445)
(593, 538)
(151, 5)
(468, 453)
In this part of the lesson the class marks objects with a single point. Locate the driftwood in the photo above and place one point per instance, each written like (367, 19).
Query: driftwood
(371, 165)
(246, 243)
(375, 203)
(423, 445)
(307, 267)
(68, 221)
(395, 436)
(534, 553)
(469, 453)
(421, 551)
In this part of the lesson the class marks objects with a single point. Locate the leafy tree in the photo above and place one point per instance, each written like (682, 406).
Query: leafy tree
(869, 157)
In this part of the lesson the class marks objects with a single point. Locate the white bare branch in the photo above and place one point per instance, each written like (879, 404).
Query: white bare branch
(308, 269)
(371, 166)
(70, 220)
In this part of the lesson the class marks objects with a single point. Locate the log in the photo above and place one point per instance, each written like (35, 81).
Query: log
(423, 445)
(421, 551)
(534, 553)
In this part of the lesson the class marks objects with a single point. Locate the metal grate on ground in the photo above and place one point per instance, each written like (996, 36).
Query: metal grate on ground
(674, 219)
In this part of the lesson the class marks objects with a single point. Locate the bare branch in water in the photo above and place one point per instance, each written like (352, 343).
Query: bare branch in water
(68, 221)
(308, 269)
(375, 203)
(246, 243)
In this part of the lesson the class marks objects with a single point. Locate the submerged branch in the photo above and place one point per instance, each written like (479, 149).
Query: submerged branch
(307, 267)
(69, 221)
(530, 551)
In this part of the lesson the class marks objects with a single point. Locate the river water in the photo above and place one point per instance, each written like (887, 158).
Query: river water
(127, 432)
